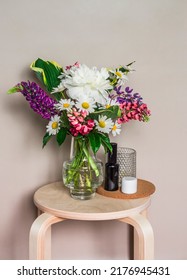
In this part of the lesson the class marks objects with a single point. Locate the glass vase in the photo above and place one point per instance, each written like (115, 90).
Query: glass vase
(84, 172)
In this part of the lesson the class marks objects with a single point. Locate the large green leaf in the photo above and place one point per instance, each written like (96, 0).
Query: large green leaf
(46, 138)
(47, 72)
(95, 141)
(61, 135)
(105, 141)
(111, 112)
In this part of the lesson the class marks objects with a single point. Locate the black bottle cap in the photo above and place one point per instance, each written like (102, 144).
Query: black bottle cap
(112, 156)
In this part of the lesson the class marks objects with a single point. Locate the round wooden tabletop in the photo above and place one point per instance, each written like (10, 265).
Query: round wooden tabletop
(55, 199)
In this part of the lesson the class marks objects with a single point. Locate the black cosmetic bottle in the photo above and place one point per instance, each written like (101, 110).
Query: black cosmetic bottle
(112, 170)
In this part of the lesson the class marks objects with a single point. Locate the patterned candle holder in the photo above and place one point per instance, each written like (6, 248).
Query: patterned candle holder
(126, 158)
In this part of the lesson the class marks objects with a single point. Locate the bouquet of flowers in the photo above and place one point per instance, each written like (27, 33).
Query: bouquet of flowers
(87, 103)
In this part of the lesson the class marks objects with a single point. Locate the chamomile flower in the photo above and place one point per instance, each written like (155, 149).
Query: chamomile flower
(86, 103)
(116, 129)
(120, 76)
(110, 102)
(64, 104)
(53, 126)
(103, 124)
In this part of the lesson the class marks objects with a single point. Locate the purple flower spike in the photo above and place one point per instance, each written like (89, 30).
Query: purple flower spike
(38, 99)
(128, 90)
(127, 96)
(118, 90)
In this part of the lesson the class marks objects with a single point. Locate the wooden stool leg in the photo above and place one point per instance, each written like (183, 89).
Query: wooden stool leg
(144, 238)
(40, 236)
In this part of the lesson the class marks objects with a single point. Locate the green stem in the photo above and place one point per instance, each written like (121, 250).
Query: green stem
(91, 161)
(82, 167)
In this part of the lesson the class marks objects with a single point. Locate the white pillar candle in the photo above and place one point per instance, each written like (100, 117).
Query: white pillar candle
(129, 185)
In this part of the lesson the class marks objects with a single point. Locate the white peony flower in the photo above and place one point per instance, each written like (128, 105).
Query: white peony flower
(84, 81)
(59, 88)
(53, 126)
(103, 124)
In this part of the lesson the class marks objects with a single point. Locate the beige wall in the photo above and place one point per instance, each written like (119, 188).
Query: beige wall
(100, 33)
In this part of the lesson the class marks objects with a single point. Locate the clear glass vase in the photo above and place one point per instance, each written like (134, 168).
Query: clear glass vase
(84, 172)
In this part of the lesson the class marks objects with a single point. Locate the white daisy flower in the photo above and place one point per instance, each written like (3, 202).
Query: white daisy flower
(116, 129)
(86, 104)
(64, 104)
(59, 88)
(53, 126)
(103, 124)
(110, 102)
(121, 77)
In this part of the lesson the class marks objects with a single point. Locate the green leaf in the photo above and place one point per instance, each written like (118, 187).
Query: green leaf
(57, 96)
(146, 118)
(65, 120)
(125, 69)
(112, 112)
(61, 135)
(47, 72)
(14, 89)
(115, 112)
(105, 141)
(46, 138)
(95, 141)
(131, 63)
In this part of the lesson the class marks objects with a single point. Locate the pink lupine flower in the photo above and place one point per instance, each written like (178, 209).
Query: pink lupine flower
(78, 126)
(74, 132)
(84, 130)
(133, 111)
(76, 114)
(78, 122)
(76, 64)
(84, 113)
(90, 123)
(74, 122)
(80, 119)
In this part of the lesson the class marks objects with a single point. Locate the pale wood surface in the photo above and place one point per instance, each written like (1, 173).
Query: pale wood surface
(143, 237)
(40, 237)
(55, 205)
(55, 199)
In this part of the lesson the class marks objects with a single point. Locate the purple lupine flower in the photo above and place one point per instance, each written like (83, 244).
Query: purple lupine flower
(131, 105)
(127, 95)
(128, 90)
(118, 90)
(38, 99)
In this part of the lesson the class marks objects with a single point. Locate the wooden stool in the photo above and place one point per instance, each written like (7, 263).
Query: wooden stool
(55, 205)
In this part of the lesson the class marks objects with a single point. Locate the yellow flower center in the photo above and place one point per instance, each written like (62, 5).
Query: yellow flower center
(54, 125)
(108, 106)
(102, 124)
(119, 74)
(114, 127)
(66, 105)
(85, 105)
